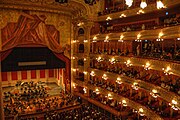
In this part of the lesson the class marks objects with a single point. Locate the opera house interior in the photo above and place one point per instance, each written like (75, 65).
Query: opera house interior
(90, 59)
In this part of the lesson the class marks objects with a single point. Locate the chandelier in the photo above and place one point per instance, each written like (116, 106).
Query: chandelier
(129, 3)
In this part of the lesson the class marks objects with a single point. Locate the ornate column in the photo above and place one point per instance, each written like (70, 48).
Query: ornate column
(1, 99)
(74, 50)
(87, 44)
(1, 92)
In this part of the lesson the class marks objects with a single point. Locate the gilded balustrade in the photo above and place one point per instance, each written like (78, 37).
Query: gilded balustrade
(166, 95)
(149, 113)
(155, 64)
(132, 12)
(168, 33)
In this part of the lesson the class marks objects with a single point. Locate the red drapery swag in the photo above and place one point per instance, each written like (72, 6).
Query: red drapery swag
(4, 54)
(68, 63)
(31, 30)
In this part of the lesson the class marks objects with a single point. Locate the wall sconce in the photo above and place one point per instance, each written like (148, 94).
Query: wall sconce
(85, 90)
(128, 63)
(124, 103)
(178, 38)
(135, 86)
(80, 24)
(110, 96)
(118, 80)
(122, 15)
(112, 60)
(97, 91)
(104, 77)
(138, 36)
(167, 71)
(121, 38)
(92, 73)
(85, 41)
(106, 39)
(74, 41)
(85, 72)
(159, 4)
(74, 85)
(160, 37)
(137, 40)
(173, 105)
(154, 93)
(141, 112)
(74, 70)
(85, 59)
(140, 11)
(108, 18)
(147, 66)
(99, 59)
(73, 58)
(94, 38)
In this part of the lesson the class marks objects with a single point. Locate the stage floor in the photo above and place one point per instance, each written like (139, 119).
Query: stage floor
(53, 89)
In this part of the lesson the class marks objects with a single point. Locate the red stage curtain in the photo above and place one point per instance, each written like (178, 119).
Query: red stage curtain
(51, 73)
(4, 54)
(33, 74)
(68, 64)
(55, 73)
(14, 75)
(24, 75)
(4, 76)
(42, 73)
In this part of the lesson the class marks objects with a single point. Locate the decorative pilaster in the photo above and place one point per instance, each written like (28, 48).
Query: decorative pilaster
(1, 98)
(87, 44)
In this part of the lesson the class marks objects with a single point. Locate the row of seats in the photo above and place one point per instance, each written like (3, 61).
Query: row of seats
(83, 113)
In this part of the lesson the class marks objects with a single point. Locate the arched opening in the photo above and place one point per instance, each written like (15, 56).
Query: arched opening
(81, 31)
(81, 48)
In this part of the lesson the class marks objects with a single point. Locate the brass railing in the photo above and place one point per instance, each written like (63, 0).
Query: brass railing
(155, 64)
(149, 113)
(164, 94)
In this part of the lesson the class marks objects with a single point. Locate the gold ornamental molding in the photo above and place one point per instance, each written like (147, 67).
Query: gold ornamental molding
(132, 12)
(149, 113)
(155, 64)
(164, 94)
(168, 33)
(73, 8)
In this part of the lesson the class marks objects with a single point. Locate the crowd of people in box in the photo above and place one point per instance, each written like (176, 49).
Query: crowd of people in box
(168, 82)
(83, 113)
(126, 112)
(141, 96)
(148, 49)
